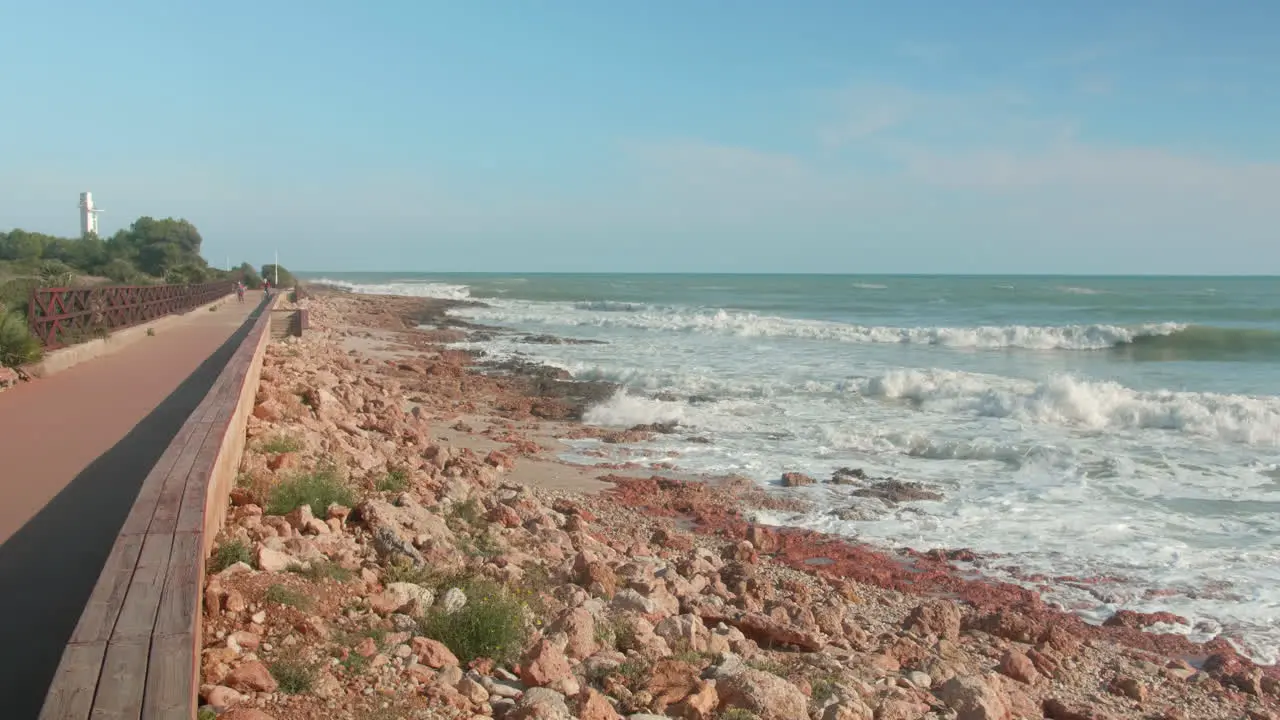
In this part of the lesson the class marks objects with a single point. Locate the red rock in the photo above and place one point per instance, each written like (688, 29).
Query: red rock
(1019, 667)
(895, 708)
(973, 699)
(701, 704)
(939, 618)
(244, 640)
(544, 665)
(500, 460)
(1129, 687)
(668, 540)
(580, 627)
(1009, 625)
(795, 479)
(270, 410)
(592, 705)
(223, 698)
(251, 677)
(433, 653)
(670, 682)
(764, 539)
(283, 461)
(588, 571)
(1138, 621)
(1044, 664)
(1055, 709)
(504, 515)
(366, 648)
(767, 695)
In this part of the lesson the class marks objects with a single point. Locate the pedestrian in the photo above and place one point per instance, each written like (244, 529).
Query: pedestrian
(240, 291)
(266, 286)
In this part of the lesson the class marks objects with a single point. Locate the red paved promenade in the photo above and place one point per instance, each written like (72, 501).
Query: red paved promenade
(74, 449)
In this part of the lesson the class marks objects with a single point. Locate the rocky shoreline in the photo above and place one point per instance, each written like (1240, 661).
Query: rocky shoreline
(403, 543)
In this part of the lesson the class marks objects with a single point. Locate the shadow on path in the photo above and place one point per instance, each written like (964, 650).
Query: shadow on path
(49, 567)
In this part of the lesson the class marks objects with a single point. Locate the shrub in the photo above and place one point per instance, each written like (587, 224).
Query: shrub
(402, 569)
(17, 345)
(468, 512)
(294, 677)
(394, 481)
(15, 295)
(318, 489)
(285, 595)
(321, 569)
(491, 624)
(229, 553)
(280, 444)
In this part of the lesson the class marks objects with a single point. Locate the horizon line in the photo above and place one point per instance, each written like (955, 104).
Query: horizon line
(792, 274)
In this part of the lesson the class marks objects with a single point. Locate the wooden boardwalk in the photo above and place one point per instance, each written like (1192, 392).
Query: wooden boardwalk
(102, 530)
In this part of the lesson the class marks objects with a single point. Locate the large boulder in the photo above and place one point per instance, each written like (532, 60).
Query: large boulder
(766, 695)
(407, 530)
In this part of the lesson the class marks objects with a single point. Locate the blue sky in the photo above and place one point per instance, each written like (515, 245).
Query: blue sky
(813, 136)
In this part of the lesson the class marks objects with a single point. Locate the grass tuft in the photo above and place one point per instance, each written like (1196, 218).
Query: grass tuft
(294, 677)
(491, 624)
(229, 553)
(319, 489)
(402, 569)
(285, 595)
(280, 444)
(17, 345)
(467, 513)
(738, 714)
(396, 480)
(321, 570)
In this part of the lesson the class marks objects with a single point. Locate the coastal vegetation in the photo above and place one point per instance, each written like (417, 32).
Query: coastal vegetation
(149, 252)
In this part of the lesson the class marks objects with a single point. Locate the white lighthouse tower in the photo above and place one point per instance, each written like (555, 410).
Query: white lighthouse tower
(88, 214)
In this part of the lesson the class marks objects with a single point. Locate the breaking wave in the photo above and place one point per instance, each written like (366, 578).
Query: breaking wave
(1089, 405)
(1149, 341)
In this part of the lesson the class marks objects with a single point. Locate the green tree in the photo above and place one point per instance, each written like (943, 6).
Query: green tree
(286, 278)
(158, 258)
(247, 275)
(21, 246)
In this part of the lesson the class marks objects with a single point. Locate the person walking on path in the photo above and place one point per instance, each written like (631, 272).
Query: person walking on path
(266, 286)
(240, 291)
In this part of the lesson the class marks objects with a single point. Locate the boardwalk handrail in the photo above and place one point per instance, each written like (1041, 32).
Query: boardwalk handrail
(61, 316)
(136, 649)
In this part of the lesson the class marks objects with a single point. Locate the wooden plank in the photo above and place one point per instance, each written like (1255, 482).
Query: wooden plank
(165, 518)
(70, 695)
(180, 600)
(139, 518)
(199, 485)
(100, 613)
(124, 677)
(215, 398)
(171, 673)
(138, 614)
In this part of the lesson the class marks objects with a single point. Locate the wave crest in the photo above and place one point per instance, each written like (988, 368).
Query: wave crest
(1073, 402)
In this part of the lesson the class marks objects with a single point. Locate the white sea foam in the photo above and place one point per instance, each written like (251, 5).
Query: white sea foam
(1070, 401)
(443, 291)
(745, 324)
(1177, 494)
(625, 410)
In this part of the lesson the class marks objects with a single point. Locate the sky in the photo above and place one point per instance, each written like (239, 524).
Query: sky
(989, 136)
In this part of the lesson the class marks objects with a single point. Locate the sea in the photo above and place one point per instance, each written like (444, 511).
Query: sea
(1112, 441)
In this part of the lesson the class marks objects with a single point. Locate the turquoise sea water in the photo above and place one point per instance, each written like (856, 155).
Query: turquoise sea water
(1084, 426)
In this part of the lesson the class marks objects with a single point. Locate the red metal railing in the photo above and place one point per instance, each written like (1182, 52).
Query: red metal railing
(64, 316)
